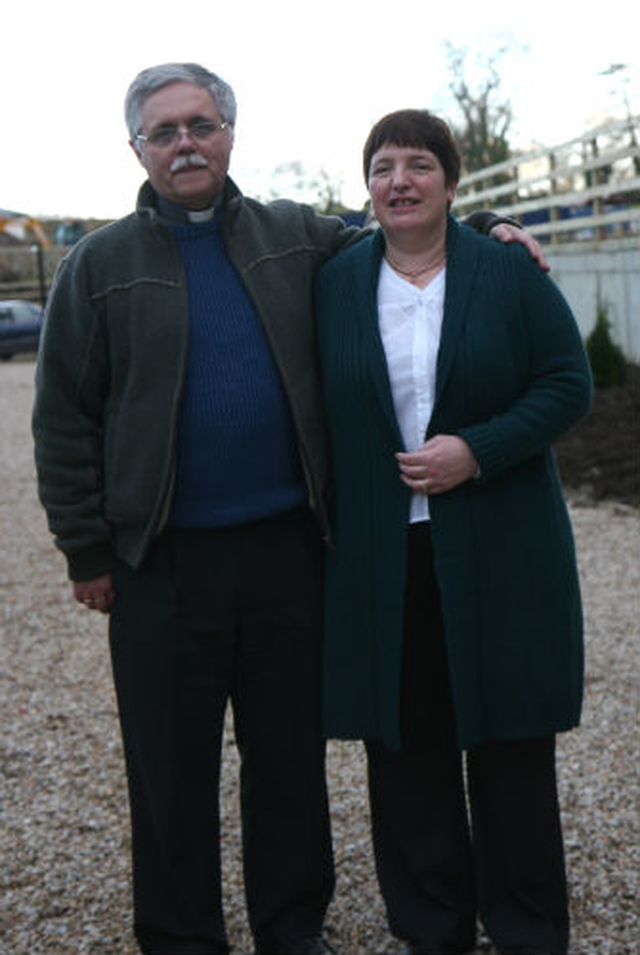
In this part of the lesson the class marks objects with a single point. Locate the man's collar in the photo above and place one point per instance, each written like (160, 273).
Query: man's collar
(176, 213)
(149, 201)
(201, 215)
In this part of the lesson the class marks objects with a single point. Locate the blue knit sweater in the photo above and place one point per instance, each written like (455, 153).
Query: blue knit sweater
(237, 458)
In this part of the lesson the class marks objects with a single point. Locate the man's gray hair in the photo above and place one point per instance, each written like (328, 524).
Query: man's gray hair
(153, 79)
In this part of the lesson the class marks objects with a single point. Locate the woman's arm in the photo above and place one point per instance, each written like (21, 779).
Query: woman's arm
(558, 396)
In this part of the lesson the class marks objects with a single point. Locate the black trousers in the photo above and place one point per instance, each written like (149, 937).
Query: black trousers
(213, 617)
(441, 859)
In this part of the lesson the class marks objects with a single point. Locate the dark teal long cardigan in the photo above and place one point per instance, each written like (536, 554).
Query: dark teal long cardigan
(512, 376)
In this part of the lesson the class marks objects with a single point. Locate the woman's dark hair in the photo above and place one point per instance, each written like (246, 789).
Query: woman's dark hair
(418, 128)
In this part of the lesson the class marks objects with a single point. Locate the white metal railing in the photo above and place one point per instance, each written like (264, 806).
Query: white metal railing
(585, 188)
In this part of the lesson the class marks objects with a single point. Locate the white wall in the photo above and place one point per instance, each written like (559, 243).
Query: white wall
(610, 270)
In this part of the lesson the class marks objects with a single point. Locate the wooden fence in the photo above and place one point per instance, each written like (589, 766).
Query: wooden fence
(581, 200)
(585, 189)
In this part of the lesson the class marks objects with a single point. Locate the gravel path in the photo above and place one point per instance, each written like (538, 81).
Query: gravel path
(65, 827)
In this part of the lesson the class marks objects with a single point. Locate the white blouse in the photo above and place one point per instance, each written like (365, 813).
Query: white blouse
(410, 324)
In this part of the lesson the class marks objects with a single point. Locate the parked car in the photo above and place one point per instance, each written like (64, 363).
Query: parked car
(20, 324)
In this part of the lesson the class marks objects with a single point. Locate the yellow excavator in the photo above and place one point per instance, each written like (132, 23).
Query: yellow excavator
(24, 228)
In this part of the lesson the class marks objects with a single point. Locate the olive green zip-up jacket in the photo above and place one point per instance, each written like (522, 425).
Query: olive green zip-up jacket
(112, 364)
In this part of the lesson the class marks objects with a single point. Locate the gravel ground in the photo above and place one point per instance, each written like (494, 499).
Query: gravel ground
(65, 826)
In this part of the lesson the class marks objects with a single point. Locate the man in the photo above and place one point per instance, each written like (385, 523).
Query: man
(181, 461)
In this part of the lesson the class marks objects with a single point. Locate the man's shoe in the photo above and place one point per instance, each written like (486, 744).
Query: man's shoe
(417, 948)
(313, 945)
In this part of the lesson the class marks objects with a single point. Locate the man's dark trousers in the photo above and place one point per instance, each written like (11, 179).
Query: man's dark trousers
(213, 616)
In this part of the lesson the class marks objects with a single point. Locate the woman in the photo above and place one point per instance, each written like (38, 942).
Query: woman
(450, 364)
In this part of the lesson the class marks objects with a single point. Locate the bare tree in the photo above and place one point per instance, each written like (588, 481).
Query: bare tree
(294, 180)
(619, 92)
(485, 116)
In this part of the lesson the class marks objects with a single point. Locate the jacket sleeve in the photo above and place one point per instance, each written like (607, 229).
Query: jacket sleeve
(330, 232)
(559, 390)
(337, 235)
(68, 415)
(483, 221)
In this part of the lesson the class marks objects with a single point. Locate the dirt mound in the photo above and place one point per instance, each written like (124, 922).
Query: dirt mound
(601, 456)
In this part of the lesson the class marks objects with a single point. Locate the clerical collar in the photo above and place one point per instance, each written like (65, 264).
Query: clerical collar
(201, 215)
(176, 213)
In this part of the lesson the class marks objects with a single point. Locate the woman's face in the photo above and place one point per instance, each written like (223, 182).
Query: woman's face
(408, 189)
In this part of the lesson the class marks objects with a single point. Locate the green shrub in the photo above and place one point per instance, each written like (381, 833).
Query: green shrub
(608, 364)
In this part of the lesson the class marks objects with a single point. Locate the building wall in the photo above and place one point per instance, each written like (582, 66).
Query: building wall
(609, 272)
(19, 263)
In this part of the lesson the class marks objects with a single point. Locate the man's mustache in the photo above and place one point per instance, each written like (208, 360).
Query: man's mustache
(191, 159)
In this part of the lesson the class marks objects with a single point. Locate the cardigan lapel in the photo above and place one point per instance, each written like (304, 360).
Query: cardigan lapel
(366, 299)
(462, 264)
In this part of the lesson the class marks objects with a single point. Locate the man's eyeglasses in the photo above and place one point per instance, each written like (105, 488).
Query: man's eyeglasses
(165, 136)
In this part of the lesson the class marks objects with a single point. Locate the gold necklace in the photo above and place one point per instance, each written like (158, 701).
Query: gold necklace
(414, 273)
